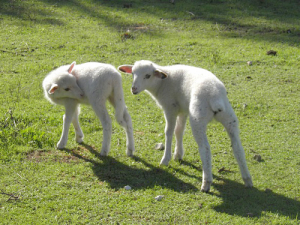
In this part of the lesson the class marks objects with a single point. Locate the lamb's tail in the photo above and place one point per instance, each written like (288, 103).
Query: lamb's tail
(217, 105)
(218, 100)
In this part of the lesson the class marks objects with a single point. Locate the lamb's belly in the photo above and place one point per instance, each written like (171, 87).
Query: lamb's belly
(84, 101)
(178, 106)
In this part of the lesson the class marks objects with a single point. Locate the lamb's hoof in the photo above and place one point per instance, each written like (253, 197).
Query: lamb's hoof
(248, 182)
(205, 191)
(205, 186)
(178, 158)
(60, 145)
(164, 162)
(103, 153)
(79, 140)
(129, 152)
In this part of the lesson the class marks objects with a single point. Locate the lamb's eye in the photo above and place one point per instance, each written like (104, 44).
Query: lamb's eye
(147, 76)
(67, 89)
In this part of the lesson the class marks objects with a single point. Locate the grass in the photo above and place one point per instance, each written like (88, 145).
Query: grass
(42, 185)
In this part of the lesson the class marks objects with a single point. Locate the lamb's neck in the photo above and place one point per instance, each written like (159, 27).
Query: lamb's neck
(155, 90)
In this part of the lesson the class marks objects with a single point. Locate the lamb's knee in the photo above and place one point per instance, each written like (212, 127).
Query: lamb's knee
(120, 117)
(126, 116)
(232, 129)
(121, 122)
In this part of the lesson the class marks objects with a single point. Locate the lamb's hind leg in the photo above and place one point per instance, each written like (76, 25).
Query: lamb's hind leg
(200, 115)
(124, 120)
(230, 122)
(101, 111)
(199, 132)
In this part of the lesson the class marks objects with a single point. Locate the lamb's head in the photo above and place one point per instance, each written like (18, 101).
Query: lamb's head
(145, 74)
(61, 83)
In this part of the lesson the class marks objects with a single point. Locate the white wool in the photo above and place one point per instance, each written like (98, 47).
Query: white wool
(89, 83)
(183, 91)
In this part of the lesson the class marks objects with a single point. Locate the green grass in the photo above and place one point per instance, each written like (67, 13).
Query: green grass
(42, 185)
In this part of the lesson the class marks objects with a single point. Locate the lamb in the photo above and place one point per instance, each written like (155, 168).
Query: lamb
(183, 91)
(89, 83)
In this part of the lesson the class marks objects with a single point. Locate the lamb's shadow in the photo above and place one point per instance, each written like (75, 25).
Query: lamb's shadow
(247, 202)
(236, 199)
(118, 175)
(253, 202)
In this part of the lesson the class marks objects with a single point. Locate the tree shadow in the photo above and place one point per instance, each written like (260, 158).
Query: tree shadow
(270, 21)
(252, 202)
(226, 13)
(118, 175)
(29, 12)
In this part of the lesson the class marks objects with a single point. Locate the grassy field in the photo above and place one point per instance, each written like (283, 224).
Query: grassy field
(42, 185)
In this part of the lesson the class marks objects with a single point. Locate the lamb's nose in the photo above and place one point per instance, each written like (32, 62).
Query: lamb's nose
(134, 90)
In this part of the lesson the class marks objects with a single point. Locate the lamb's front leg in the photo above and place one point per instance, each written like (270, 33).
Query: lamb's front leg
(78, 131)
(179, 131)
(169, 130)
(70, 108)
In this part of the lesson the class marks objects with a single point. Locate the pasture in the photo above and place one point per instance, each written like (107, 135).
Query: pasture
(42, 185)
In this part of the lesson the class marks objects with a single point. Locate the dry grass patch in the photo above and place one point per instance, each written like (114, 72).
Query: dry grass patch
(39, 156)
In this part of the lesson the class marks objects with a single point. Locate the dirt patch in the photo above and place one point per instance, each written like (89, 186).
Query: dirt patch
(51, 156)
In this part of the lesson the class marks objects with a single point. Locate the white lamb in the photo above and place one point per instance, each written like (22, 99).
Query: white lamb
(89, 83)
(184, 91)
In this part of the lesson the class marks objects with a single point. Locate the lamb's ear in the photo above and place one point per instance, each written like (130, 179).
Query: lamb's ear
(125, 69)
(160, 74)
(53, 88)
(71, 67)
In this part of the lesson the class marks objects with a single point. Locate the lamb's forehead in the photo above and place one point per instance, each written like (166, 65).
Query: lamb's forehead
(63, 78)
(142, 67)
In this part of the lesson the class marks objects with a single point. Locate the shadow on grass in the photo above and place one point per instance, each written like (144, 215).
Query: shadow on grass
(248, 202)
(278, 20)
(118, 175)
(236, 199)
(241, 201)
